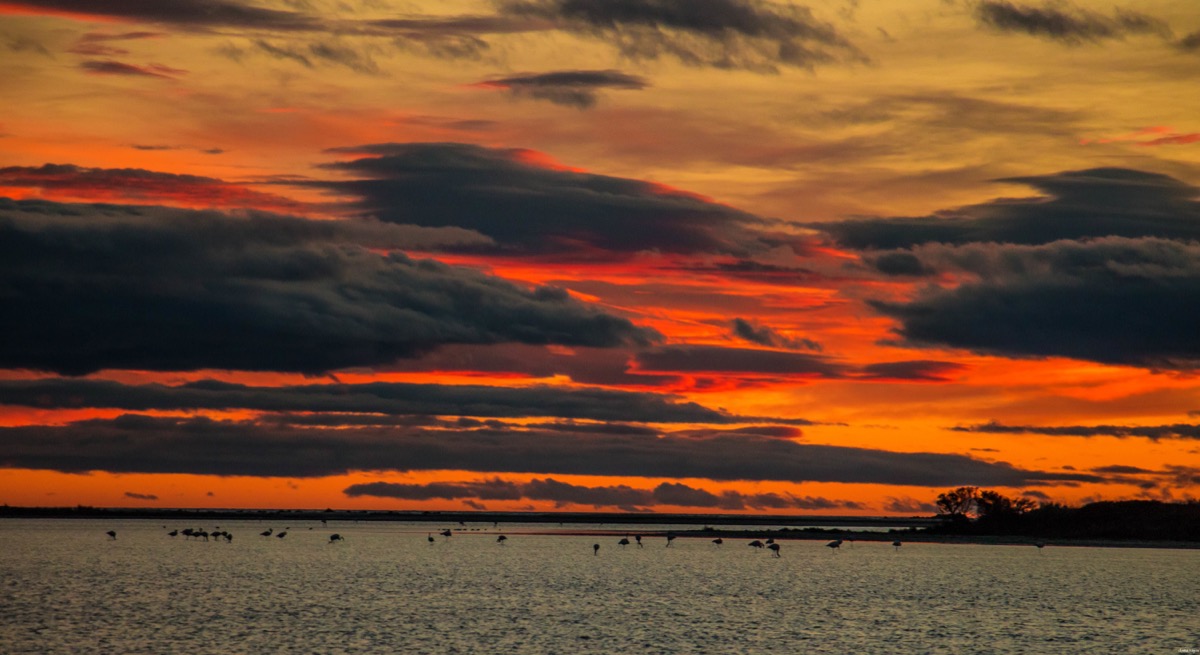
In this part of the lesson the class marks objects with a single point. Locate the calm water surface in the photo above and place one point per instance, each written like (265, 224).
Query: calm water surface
(68, 588)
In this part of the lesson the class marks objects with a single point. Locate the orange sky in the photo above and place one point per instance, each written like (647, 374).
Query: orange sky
(769, 257)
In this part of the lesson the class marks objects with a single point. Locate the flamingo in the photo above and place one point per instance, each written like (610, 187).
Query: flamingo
(638, 538)
(835, 545)
(429, 537)
(1040, 545)
(774, 549)
(595, 549)
(336, 537)
(501, 539)
(896, 544)
(670, 538)
(281, 535)
(623, 542)
(173, 533)
(446, 533)
(718, 541)
(267, 532)
(755, 544)
(112, 534)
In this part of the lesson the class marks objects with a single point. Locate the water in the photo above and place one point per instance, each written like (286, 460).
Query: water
(67, 588)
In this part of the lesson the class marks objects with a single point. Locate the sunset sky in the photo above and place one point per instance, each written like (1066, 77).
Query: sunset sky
(644, 255)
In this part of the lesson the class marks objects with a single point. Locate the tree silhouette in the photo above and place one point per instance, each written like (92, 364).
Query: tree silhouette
(958, 504)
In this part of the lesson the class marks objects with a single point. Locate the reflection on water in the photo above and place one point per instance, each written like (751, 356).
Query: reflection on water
(68, 588)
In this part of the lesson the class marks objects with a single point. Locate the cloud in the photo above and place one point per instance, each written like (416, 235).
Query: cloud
(1152, 432)
(763, 335)
(110, 67)
(621, 496)
(1064, 23)
(715, 359)
(137, 496)
(136, 185)
(576, 88)
(144, 444)
(187, 14)
(1112, 300)
(528, 204)
(386, 398)
(89, 287)
(1082, 204)
(732, 34)
(921, 370)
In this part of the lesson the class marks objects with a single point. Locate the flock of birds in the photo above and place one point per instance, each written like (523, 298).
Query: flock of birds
(769, 544)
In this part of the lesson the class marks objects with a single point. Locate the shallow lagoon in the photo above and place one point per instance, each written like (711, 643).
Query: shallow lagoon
(68, 588)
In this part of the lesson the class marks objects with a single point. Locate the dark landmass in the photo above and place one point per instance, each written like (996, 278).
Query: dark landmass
(464, 517)
(1130, 524)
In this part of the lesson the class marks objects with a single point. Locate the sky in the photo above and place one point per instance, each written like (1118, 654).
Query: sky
(598, 255)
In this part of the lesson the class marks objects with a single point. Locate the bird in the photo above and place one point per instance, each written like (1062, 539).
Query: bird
(718, 541)
(501, 539)
(670, 538)
(770, 540)
(638, 538)
(429, 537)
(173, 533)
(1040, 545)
(281, 535)
(755, 544)
(595, 549)
(835, 545)
(228, 537)
(112, 534)
(623, 542)
(896, 544)
(446, 533)
(267, 532)
(336, 537)
(774, 549)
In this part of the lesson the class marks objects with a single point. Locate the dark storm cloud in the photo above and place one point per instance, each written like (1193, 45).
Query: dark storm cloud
(577, 88)
(147, 444)
(763, 335)
(921, 370)
(736, 34)
(137, 496)
(527, 206)
(623, 496)
(1077, 205)
(1064, 23)
(387, 398)
(110, 67)
(88, 287)
(186, 14)
(1190, 42)
(601, 366)
(715, 359)
(1153, 432)
(1113, 300)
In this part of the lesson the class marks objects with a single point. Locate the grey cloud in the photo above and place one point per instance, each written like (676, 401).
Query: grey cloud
(916, 370)
(110, 67)
(1064, 23)
(1114, 300)
(138, 496)
(187, 14)
(251, 291)
(527, 207)
(575, 88)
(763, 335)
(383, 398)
(623, 496)
(715, 359)
(1077, 205)
(1152, 432)
(202, 446)
(735, 34)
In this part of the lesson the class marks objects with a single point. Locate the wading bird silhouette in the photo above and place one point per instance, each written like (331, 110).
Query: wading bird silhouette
(834, 545)
(595, 549)
(267, 532)
(718, 541)
(446, 533)
(429, 537)
(281, 535)
(501, 539)
(670, 538)
(638, 538)
(336, 537)
(896, 544)
(774, 549)
(623, 542)
(755, 544)
(173, 533)
(112, 534)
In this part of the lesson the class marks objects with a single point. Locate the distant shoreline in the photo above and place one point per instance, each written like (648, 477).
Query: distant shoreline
(907, 530)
